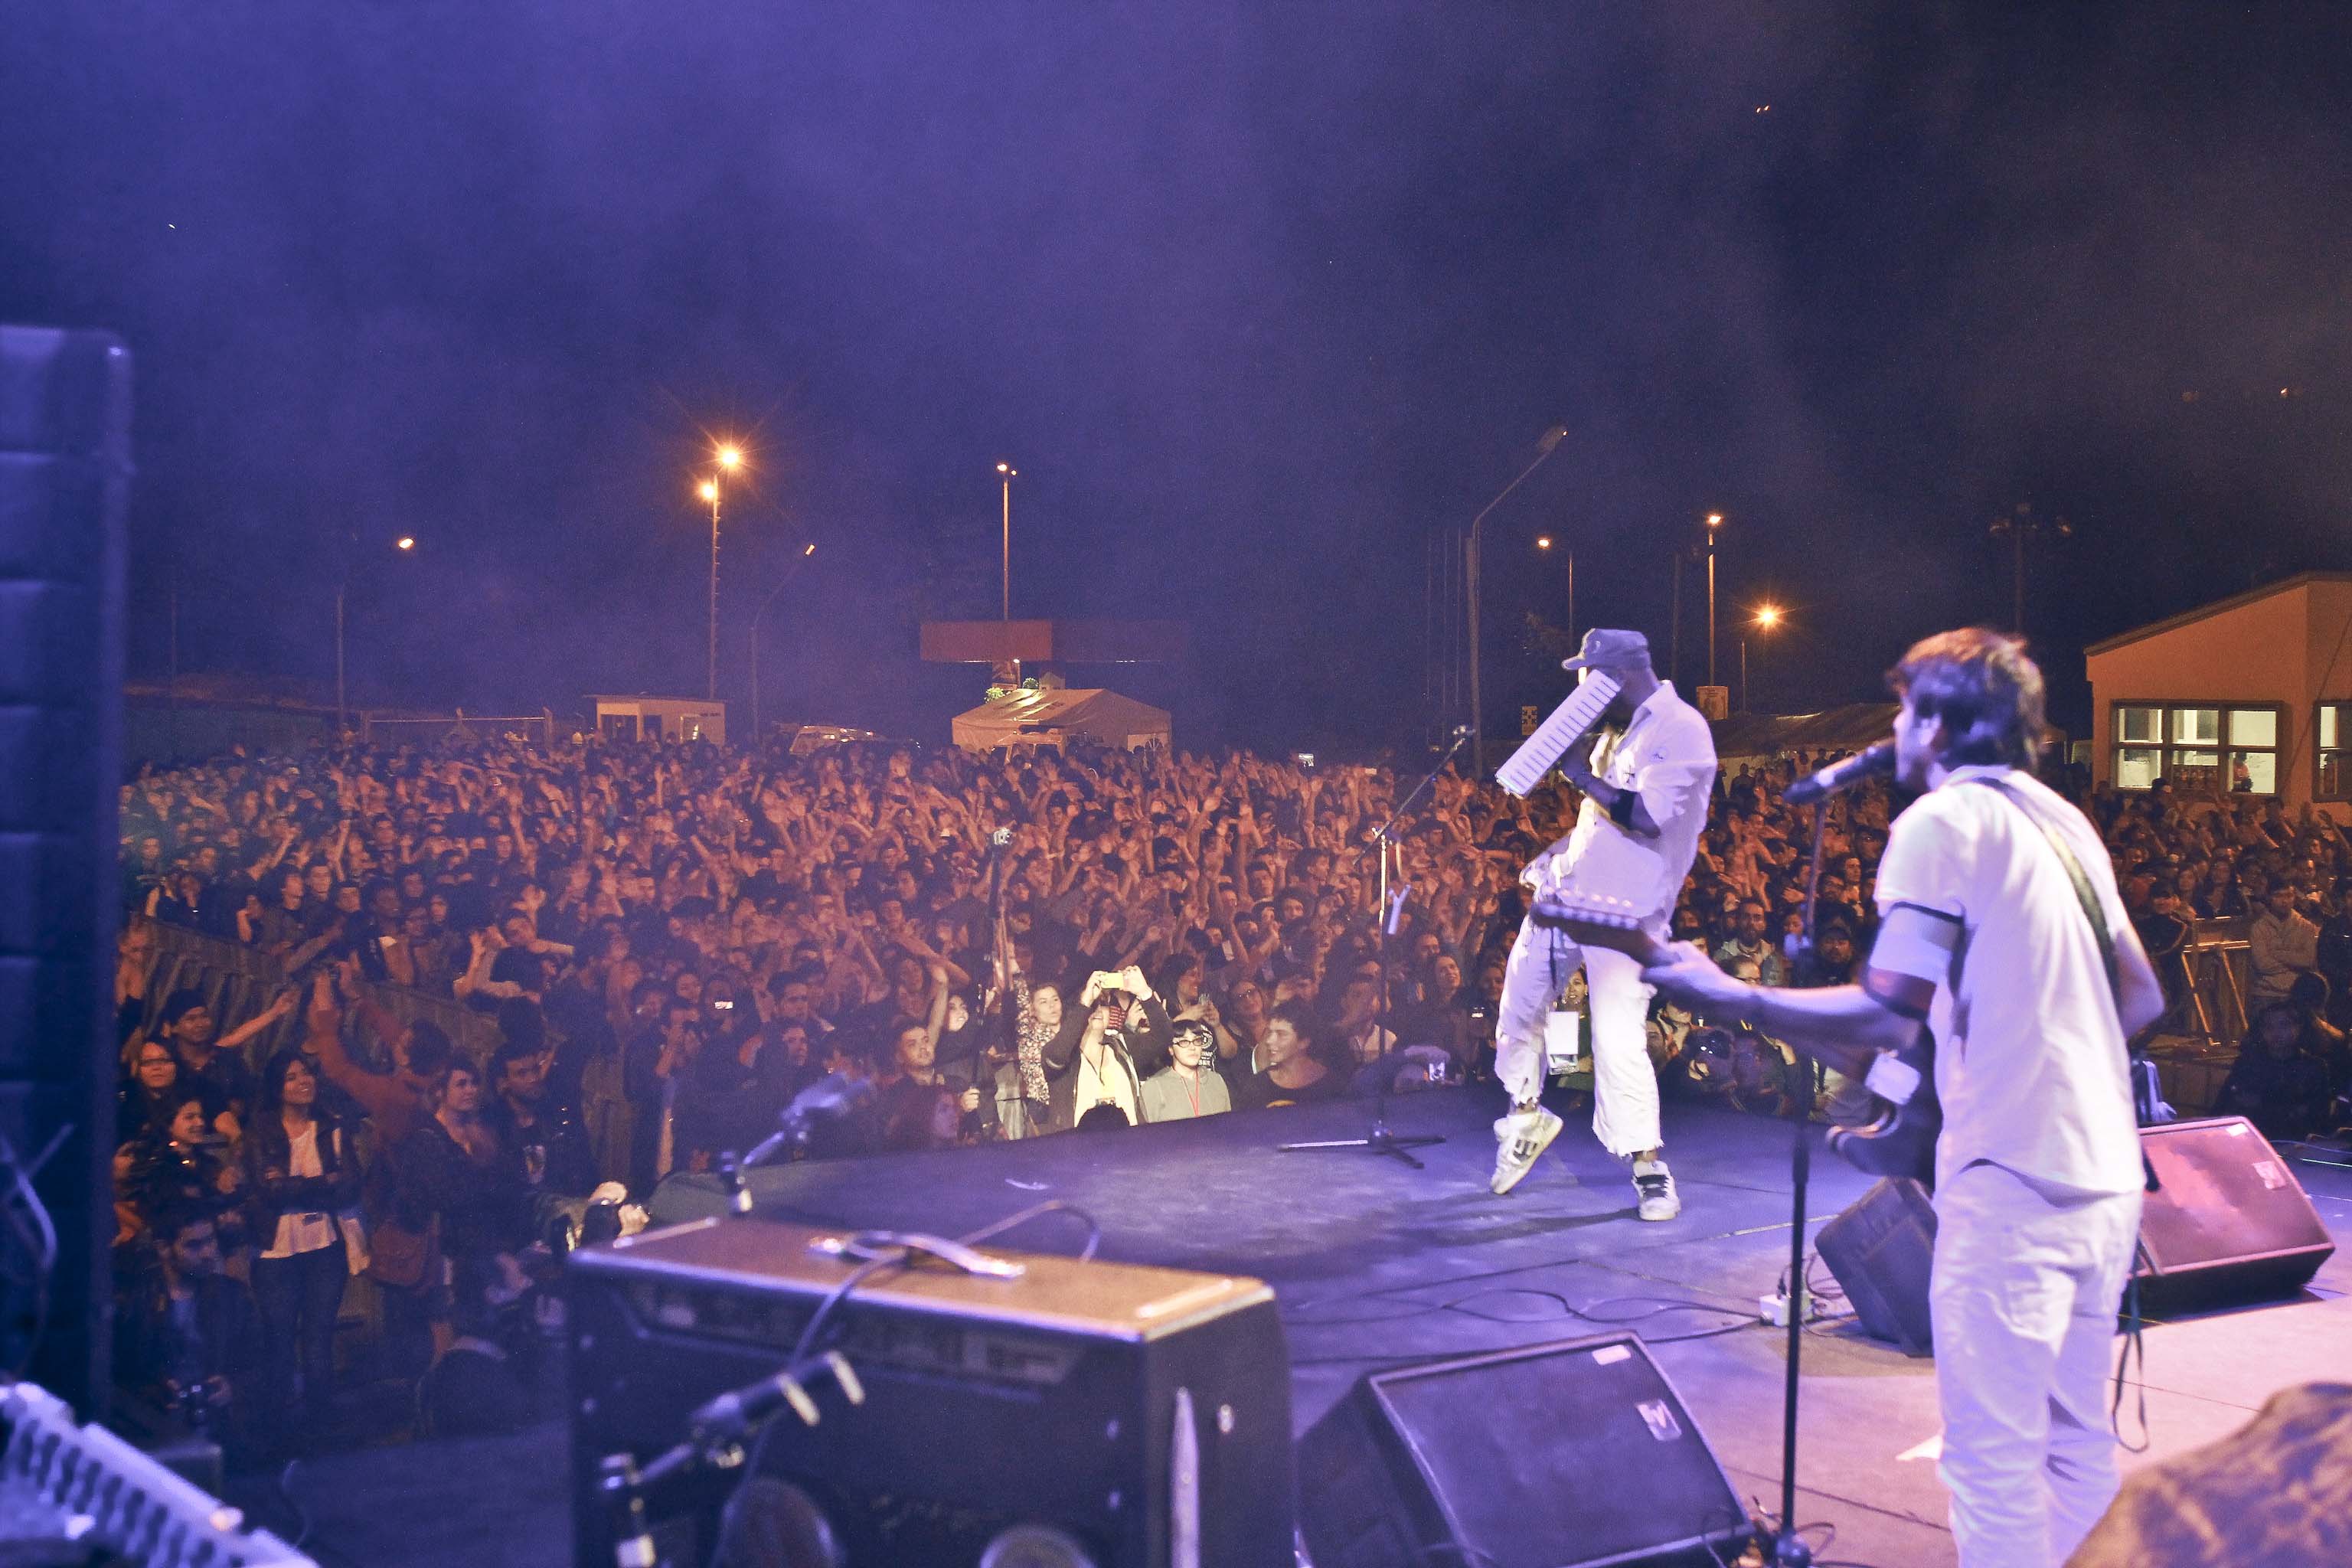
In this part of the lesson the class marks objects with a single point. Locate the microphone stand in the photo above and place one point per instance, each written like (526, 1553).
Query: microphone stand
(1787, 1549)
(1381, 834)
(1383, 1075)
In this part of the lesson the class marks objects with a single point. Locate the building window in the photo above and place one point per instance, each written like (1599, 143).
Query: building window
(2201, 748)
(2335, 751)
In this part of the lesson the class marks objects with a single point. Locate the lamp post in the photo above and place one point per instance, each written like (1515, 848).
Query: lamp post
(406, 543)
(789, 572)
(730, 458)
(1008, 473)
(2018, 525)
(1766, 620)
(1543, 541)
(1544, 449)
(1713, 522)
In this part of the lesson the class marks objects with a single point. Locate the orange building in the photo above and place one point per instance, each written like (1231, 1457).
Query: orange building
(2253, 692)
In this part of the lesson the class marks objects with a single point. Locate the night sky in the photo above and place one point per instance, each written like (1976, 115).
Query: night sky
(1260, 298)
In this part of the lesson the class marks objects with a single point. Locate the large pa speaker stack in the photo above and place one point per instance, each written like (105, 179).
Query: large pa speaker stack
(65, 472)
(2227, 1223)
(1568, 1455)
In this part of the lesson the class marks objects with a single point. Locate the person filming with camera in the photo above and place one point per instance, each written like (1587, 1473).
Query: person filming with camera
(1116, 1039)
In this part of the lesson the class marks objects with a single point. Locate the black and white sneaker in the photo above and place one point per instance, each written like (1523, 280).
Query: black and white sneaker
(1655, 1185)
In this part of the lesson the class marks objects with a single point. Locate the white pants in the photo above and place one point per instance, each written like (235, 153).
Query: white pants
(1624, 1083)
(2024, 1292)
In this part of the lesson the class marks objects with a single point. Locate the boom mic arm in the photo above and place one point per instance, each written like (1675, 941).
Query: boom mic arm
(1878, 762)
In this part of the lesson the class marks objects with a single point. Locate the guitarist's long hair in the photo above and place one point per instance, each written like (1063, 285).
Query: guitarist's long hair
(1988, 693)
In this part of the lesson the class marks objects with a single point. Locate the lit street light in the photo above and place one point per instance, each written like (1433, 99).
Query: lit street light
(1713, 522)
(730, 458)
(1543, 541)
(1008, 473)
(789, 572)
(406, 545)
(1766, 621)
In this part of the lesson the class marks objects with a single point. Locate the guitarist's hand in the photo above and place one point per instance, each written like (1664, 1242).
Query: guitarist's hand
(1689, 976)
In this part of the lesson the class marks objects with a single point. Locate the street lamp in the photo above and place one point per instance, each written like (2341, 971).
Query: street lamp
(406, 545)
(1544, 449)
(2017, 526)
(730, 458)
(1543, 541)
(789, 572)
(1713, 522)
(1008, 473)
(1766, 620)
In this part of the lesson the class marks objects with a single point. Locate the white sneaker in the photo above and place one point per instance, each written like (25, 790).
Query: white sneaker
(1519, 1138)
(1656, 1186)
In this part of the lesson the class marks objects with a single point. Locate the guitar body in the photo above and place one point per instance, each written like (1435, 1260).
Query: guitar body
(1899, 1141)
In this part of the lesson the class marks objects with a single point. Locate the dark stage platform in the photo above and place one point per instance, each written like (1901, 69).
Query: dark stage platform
(1376, 1264)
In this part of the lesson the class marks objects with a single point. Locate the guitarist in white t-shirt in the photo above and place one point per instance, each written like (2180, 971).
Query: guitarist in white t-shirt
(1986, 938)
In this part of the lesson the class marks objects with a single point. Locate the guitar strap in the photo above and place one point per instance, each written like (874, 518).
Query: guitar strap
(2085, 893)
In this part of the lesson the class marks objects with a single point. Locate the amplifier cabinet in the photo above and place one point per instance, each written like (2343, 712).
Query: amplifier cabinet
(1049, 1400)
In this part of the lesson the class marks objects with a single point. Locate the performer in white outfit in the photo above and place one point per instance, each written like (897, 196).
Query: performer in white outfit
(2038, 1168)
(1650, 776)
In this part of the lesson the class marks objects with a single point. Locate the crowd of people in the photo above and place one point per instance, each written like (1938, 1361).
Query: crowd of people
(670, 944)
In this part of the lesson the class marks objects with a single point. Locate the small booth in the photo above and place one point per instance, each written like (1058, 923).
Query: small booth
(1054, 715)
(661, 719)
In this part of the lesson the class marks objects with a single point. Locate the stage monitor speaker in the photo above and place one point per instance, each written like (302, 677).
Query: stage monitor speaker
(65, 476)
(1879, 1250)
(1565, 1454)
(1083, 1414)
(2227, 1223)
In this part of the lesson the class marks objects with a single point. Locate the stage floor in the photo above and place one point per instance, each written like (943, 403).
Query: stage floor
(1375, 1263)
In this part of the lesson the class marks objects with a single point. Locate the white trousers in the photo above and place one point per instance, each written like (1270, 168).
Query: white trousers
(2024, 1292)
(1624, 1083)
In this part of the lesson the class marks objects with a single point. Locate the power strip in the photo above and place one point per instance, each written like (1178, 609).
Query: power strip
(1774, 1309)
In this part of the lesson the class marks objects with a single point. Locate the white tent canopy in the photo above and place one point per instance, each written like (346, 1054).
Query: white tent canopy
(1047, 717)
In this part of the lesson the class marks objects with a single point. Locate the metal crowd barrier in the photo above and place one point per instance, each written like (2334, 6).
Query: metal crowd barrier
(2216, 969)
(239, 983)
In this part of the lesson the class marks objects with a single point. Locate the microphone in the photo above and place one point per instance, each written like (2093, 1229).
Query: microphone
(834, 1095)
(737, 1412)
(1878, 762)
(1461, 731)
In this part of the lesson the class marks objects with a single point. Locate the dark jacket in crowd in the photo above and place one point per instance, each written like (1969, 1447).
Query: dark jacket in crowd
(1136, 1052)
(272, 1192)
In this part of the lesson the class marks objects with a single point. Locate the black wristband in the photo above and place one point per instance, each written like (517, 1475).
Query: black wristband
(1621, 810)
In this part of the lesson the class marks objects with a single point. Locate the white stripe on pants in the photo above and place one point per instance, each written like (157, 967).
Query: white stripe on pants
(2024, 1292)
(1625, 1084)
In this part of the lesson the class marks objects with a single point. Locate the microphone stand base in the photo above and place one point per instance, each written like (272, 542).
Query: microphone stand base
(1379, 1140)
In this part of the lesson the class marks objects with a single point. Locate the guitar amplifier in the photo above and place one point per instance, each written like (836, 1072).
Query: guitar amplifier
(1134, 1417)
